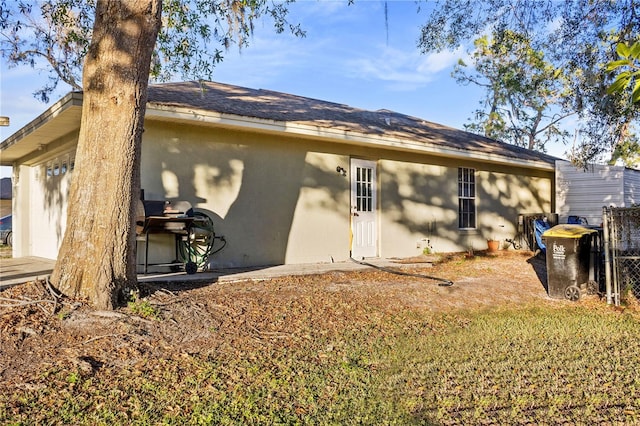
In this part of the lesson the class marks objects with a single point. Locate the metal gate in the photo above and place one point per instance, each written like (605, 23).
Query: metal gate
(621, 229)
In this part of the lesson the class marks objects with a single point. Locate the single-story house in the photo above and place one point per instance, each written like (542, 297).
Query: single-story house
(583, 192)
(289, 179)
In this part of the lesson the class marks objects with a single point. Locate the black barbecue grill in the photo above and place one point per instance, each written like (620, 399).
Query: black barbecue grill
(167, 217)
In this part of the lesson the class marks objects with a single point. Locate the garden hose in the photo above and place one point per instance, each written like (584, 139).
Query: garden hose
(441, 281)
(200, 246)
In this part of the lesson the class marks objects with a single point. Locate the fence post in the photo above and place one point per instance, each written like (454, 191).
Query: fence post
(607, 254)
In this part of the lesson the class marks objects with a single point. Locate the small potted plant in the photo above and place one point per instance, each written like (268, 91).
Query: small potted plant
(493, 244)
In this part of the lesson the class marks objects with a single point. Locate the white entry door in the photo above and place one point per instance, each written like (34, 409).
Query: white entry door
(364, 217)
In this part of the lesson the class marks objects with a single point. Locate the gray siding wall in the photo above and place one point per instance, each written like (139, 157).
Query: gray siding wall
(631, 187)
(584, 192)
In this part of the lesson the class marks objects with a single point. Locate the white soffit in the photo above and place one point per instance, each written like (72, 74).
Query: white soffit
(58, 120)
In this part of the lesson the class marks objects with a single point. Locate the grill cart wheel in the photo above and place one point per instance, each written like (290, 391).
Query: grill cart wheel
(191, 268)
(572, 293)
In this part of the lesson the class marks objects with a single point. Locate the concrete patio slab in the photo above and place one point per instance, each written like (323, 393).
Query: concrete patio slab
(20, 270)
(266, 272)
(15, 271)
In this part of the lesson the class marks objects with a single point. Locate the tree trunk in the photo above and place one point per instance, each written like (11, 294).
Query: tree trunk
(533, 132)
(97, 258)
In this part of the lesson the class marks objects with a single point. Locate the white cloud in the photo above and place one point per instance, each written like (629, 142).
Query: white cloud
(433, 63)
(404, 69)
(266, 58)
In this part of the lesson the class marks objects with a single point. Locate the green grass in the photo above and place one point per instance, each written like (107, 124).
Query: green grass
(573, 364)
(144, 309)
(5, 251)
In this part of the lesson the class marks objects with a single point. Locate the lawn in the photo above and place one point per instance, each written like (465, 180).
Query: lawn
(329, 349)
(5, 251)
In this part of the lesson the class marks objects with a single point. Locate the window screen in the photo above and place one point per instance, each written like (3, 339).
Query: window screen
(466, 198)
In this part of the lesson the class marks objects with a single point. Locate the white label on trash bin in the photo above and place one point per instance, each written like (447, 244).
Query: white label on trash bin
(558, 251)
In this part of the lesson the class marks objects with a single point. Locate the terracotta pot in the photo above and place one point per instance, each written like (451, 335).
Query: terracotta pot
(493, 245)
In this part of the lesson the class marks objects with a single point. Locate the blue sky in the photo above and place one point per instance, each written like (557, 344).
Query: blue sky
(348, 56)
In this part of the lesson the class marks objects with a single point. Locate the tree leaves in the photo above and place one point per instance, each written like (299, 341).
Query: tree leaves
(524, 91)
(575, 36)
(623, 50)
(191, 42)
(620, 83)
(630, 62)
(612, 66)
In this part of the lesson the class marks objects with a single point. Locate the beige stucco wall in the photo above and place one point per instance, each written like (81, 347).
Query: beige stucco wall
(420, 204)
(21, 206)
(275, 200)
(280, 200)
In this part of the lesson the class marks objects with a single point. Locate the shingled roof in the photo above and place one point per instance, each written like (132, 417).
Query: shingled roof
(283, 107)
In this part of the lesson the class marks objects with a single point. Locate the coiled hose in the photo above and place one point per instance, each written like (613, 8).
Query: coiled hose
(442, 282)
(203, 239)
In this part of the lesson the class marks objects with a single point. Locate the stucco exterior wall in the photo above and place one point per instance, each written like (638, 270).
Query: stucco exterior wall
(21, 204)
(281, 200)
(420, 204)
(278, 199)
(275, 200)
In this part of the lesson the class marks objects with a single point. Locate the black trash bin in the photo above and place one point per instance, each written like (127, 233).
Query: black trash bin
(568, 261)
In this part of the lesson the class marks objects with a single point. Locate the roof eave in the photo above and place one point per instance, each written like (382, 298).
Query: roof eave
(205, 117)
(35, 135)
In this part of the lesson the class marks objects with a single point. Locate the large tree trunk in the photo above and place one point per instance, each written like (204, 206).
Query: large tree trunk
(98, 257)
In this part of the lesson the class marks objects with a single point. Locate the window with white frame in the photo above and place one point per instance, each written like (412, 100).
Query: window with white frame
(60, 166)
(466, 198)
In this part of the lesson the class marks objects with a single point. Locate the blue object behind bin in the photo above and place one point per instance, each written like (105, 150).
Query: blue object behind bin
(540, 227)
(577, 220)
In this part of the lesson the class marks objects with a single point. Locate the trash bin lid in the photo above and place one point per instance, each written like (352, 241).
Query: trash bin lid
(568, 231)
